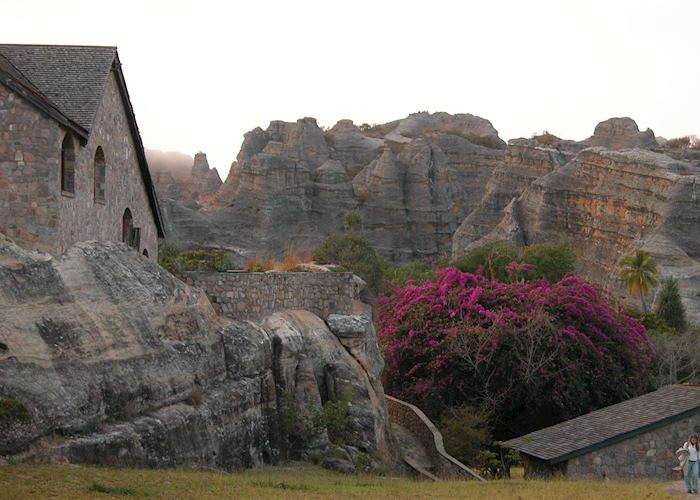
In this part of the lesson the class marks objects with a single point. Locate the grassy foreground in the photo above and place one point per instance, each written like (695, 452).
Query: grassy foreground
(297, 481)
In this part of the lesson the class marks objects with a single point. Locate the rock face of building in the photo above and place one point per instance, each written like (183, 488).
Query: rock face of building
(71, 160)
(118, 362)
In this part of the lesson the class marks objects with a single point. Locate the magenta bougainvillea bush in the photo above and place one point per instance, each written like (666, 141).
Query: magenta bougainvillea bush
(530, 353)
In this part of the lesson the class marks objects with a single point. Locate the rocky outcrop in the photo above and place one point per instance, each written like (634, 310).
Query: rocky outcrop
(413, 182)
(621, 133)
(525, 161)
(118, 362)
(198, 183)
(610, 202)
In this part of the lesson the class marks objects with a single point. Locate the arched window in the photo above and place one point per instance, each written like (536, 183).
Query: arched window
(99, 174)
(68, 164)
(127, 227)
(145, 253)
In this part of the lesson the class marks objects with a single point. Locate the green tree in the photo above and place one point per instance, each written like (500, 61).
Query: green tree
(669, 306)
(638, 272)
(489, 259)
(465, 432)
(551, 262)
(355, 253)
(351, 220)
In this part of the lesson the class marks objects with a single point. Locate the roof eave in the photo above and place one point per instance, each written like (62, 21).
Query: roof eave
(612, 440)
(138, 144)
(43, 104)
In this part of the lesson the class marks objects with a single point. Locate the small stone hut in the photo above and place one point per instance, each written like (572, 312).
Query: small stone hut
(635, 439)
(72, 164)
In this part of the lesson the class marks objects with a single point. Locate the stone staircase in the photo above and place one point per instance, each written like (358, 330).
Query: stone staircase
(421, 444)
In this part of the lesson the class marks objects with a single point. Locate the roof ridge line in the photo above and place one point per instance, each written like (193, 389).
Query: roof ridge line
(59, 45)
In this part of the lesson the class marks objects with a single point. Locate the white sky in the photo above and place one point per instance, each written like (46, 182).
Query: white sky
(202, 73)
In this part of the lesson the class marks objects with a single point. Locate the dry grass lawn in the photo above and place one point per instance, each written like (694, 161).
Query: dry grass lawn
(296, 481)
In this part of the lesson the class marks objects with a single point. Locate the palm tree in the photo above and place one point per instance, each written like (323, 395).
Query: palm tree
(638, 271)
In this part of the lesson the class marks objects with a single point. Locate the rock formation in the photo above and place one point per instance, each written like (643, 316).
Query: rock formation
(621, 133)
(413, 182)
(433, 183)
(190, 185)
(120, 363)
(609, 203)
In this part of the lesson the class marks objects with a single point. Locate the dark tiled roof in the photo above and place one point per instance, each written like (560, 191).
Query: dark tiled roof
(612, 424)
(67, 83)
(71, 77)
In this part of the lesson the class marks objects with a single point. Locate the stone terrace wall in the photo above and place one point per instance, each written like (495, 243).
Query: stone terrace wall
(413, 419)
(647, 456)
(255, 295)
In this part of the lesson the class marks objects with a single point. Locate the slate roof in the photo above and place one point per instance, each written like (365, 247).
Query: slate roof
(610, 425)
(71, 77)
(67, 82)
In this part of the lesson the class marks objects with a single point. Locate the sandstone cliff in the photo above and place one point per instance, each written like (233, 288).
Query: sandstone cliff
(120, 363)
(412, 180)
(608, 203)
(196, 182)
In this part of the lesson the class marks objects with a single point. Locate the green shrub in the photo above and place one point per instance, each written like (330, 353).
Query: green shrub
(337, 419)
(542, 260)
(12, 410)
(465, 433)
(551, 262)
(489, 259)
(352, 220)
(176, 261)
(300, 428)
(353, 252)
(670, 308)
(415, 271)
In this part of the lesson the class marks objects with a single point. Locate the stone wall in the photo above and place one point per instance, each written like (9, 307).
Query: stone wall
(81, 217)
(30, 148)
(35, 212)
(255, 295)
(647, 456)
(414, 420)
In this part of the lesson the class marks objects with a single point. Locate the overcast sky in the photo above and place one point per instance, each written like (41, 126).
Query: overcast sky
(201, 73)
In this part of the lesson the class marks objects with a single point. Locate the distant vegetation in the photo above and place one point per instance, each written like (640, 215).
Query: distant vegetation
(176, 261)
(685, 142)
(547, 139)
(12, 410)
(500, 261)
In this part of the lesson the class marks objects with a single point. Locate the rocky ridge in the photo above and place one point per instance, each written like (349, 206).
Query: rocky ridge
(118, 362)
(431, 184)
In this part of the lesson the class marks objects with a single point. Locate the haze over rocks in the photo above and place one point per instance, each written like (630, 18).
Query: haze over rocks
(431, 184)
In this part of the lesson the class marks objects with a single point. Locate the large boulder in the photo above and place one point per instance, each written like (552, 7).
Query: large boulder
(115, 361)
(621, 133)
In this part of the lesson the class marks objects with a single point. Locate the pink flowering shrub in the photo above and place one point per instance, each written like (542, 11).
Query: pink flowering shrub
(530, 353)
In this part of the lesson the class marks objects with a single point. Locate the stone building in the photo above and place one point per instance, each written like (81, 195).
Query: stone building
(72, 164)
(635, 439)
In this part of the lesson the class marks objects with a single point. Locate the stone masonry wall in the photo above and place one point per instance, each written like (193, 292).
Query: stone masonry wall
(35, 212)
(647, 456)
(255, 295)
(83, 218)
(30, 150)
